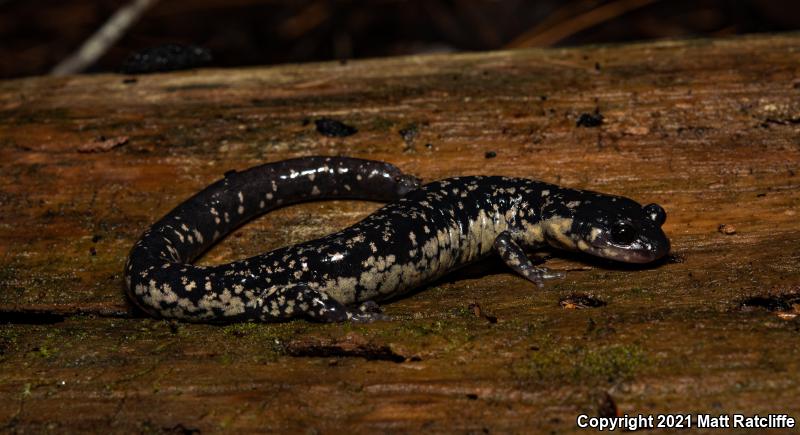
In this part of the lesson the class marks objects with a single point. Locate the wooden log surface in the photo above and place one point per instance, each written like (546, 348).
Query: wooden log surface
(710, 129)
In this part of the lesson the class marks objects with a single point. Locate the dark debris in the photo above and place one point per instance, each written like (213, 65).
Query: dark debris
(590, 120)
(581, 300)
(352, 345)
(333, 128)
(478, 312)
(772, 302)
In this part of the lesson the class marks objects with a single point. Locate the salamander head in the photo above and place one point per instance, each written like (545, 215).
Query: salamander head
(384, 181)
(407, 183)
(612, 227)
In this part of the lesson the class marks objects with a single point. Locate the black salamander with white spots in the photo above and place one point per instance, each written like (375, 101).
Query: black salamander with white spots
(424, 233)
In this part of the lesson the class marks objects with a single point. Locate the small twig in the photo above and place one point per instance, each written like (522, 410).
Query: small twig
(538, 37)
(97, 44)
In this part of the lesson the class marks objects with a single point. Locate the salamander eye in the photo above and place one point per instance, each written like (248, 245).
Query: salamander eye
(655, 213)
(623, 233)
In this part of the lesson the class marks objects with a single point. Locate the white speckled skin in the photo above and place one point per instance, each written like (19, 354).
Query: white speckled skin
(422, 235)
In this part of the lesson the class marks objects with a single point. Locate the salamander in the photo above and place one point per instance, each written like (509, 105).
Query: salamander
(424, 232)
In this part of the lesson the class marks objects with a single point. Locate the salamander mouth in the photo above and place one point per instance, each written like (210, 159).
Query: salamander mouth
(637, 255)
(640, 252)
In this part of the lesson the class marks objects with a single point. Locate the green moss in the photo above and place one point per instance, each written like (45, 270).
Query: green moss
(612, 363)
(241, 329)
(582, 364)
(45, 352)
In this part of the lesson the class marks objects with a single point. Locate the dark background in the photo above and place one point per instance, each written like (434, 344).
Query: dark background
(37, 34)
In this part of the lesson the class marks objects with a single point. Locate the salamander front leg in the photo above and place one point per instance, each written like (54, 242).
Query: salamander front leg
(514, 257)
(300, 300)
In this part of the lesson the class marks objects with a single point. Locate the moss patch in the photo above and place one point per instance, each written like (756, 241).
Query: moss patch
(580, 364)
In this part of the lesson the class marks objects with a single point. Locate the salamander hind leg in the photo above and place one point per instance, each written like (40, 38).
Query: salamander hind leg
(299, 300)
(514, 257)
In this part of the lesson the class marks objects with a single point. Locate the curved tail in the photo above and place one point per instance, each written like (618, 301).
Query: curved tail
(158, 275)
